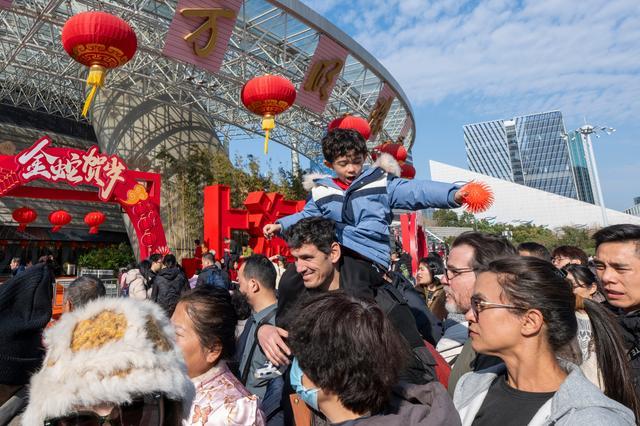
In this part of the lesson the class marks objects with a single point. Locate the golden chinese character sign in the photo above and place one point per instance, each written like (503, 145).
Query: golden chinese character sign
(381, 109)
(200, 31)
(138, 193)
(321, 75)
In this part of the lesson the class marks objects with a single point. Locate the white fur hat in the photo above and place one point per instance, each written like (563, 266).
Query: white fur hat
(109, 351)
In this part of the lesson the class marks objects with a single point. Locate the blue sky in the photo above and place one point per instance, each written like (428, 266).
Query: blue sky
(468, 61)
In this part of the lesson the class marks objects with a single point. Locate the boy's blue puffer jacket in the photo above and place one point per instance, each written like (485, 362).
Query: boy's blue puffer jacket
(363, 212)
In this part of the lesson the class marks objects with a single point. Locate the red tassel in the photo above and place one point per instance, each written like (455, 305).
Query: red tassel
(476, 197)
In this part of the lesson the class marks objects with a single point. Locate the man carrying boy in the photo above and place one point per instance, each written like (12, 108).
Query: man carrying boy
(361, 201)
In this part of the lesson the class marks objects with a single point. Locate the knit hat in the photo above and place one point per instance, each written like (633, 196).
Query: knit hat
(111, 350)
(25, 310)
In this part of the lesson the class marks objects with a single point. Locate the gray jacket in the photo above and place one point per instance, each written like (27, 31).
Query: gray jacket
(577, 402)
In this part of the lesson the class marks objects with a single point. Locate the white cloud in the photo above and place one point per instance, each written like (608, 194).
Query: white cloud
(579, 56)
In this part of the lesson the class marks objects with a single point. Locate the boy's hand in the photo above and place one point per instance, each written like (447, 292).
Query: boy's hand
(459, 197)
(271, 229)
(272, 344)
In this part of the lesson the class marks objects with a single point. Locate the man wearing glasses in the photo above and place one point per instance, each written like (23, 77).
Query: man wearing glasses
(469, 251)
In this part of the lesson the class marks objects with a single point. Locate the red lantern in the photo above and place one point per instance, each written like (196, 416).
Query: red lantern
(268, 95)
(407, 171)
(58, 219)
(24, 216)
(94, 220)
(396, 150)
(100, 41)
(348, 121)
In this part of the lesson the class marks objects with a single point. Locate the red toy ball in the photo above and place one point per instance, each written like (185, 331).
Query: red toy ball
(476, 197)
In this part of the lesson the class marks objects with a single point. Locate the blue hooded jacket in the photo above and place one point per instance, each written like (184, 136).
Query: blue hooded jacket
(364, 211)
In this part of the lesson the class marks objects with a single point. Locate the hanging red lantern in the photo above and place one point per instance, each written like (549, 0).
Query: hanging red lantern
(94, 220)
(100, 41)
(407, 171)
(396, 150)
(349, 121)
(268, 96)
(58, 219)
(24, 216)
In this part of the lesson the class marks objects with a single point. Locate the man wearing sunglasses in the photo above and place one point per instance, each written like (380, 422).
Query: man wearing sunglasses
(469, 252)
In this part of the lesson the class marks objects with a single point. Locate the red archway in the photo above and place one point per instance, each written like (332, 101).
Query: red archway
(137, 193)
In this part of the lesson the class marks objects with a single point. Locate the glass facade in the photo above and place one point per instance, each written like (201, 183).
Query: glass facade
(531, 150)
(581, 169)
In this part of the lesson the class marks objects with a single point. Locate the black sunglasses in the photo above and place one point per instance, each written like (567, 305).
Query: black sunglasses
(143, 411)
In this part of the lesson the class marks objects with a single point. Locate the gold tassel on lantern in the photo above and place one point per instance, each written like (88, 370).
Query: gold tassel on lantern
(268, 124)
(95, 79)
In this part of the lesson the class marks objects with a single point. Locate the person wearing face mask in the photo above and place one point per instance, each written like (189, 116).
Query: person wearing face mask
(358, 390)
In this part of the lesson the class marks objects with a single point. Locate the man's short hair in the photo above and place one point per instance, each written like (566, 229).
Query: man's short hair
(339, 142)
(536, 250)
(83, 290)
(618, 234)
(317, 231)
(261, 269)
(170, 261)
(155, 258)
(209, 257)
(571, 252)
(16, 259)
(336, 323)
(486, 247)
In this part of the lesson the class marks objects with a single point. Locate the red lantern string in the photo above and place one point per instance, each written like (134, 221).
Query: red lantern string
(94, 220)
(58, 219)
(24, 216)
(476, 196)
(268, 95)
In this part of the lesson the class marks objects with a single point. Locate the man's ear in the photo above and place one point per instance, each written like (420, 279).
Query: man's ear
(254, 285)
(335, 253)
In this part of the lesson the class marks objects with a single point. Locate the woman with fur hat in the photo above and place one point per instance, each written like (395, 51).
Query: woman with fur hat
(205, 322)
(113, 361)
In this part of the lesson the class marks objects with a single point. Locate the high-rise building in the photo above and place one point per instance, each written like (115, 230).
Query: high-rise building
(531, 150)
(582, 170)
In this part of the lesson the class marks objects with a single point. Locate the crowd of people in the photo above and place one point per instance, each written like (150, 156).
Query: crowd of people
(491, 334)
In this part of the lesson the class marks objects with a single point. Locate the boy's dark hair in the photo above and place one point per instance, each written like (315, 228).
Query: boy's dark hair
(339, 142)
(536, 250)
(209, 257)
(571, 252)
(486, 247)
(618, 234)
(366, 351)
(261, 269)
(214, 318)
(318, 231)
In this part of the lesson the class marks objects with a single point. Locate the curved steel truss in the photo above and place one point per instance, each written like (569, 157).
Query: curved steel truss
(269, 36)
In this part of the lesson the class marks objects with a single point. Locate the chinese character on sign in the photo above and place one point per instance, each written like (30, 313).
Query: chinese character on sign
(67, 169)
(37, 162)
(379, 113)
(113, 171)
(321, 76)
(210, 24)
(92, 166)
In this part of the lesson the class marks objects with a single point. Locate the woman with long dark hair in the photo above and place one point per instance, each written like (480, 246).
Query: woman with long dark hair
(523, 311)
(429, 286)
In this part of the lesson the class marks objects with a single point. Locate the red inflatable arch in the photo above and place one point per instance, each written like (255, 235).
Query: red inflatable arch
(138, 193)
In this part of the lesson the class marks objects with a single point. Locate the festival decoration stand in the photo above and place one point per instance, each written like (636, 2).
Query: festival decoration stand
(137, 193)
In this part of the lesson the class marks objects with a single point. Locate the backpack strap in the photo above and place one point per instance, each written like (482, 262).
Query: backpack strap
(245, 372)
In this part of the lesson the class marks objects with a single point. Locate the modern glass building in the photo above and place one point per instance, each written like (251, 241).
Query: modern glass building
(581, 167)
(531, 150)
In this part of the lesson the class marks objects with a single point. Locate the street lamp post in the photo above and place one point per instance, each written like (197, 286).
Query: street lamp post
(586, 131)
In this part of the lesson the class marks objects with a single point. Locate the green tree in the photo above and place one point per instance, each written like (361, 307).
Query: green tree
(445, 217)
(579, 237)
(112, 257)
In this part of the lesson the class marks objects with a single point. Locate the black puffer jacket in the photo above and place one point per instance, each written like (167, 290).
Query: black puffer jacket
(631, 333)
(168, 285)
